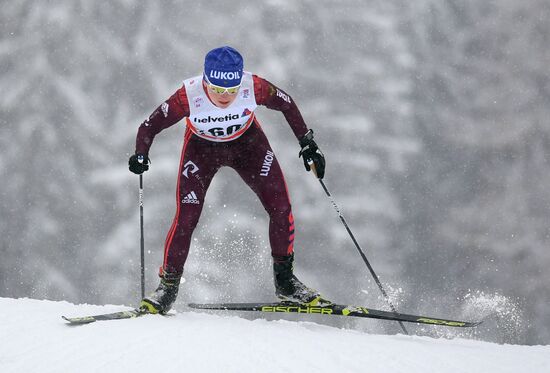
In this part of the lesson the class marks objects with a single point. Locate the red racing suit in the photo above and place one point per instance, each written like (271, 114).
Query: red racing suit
(250, 155)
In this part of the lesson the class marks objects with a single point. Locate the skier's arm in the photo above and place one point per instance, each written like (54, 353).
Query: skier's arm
(169, 113)
(274, 98)
(269, 95)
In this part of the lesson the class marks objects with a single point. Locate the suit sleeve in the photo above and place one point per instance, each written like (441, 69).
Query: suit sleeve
(267, 94)
(166, 115)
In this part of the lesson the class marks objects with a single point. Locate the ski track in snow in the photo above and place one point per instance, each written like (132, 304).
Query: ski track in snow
(36, 339)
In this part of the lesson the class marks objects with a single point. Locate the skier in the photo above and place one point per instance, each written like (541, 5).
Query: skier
(222, 130)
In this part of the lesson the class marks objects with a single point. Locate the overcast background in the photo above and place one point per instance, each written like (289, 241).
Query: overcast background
(433, 116)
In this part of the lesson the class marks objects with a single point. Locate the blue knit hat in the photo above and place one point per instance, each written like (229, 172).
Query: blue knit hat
(223, 67)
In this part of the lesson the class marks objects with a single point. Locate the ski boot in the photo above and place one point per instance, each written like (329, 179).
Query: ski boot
(289, 289)
(162, 299)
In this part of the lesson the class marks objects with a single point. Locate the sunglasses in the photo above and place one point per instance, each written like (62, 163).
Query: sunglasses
(221, 90)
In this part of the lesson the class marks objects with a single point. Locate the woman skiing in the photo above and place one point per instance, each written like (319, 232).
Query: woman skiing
(222, 130)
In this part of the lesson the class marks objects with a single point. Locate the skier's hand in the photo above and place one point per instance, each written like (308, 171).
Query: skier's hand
(312, 156)
(138, 163)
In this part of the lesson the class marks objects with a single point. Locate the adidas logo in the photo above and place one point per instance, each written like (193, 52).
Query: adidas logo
(191, 198)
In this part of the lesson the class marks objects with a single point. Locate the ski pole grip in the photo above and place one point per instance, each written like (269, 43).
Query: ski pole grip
(140, 158)
(313, 169)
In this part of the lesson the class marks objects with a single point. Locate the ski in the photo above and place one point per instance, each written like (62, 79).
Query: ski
(332, 309)
(129, 314)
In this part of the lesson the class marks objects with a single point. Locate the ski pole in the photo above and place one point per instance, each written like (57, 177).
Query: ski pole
(371, 270)
(142, 236)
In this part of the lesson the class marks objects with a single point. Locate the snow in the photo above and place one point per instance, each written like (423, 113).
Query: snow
(36, 339)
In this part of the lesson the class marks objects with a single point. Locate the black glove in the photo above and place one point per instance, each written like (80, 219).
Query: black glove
(312, 155)
(138, 163)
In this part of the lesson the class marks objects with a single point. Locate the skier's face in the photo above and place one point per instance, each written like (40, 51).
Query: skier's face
(221, 100)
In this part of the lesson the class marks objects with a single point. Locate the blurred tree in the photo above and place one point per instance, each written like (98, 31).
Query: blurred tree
(475, 199)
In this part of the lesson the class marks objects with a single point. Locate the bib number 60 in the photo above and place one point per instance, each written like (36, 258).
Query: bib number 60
(221, 132)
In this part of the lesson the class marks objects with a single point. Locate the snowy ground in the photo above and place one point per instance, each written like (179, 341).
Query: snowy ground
(36, 339)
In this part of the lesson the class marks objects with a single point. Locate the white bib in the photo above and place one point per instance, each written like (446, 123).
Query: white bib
(210, 122)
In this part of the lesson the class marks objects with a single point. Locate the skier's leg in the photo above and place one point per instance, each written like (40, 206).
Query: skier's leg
(198, 166)
(259, 168)
(195, 174)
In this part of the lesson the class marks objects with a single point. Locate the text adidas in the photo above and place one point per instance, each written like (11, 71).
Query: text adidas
(191, 198)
